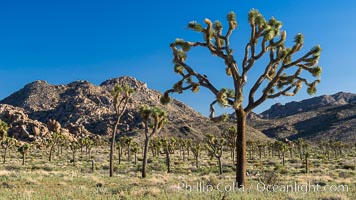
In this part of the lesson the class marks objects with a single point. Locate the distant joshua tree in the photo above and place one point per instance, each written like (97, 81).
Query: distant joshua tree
(168, 145)
(6, 144)
(134, 149)
(74, 146)
(230, 135)
(157, 118)
(121, 96)
(3, 129)
(24, 149)
(196, 149)
(282, 76)
(215, 148)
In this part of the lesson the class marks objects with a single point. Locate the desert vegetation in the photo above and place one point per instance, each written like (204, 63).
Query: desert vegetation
(225, 165)
(283, 74)
(209, 162)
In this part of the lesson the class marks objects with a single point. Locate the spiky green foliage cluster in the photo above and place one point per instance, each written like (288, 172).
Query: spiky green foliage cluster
(168, 143)
(3, 129)
(299, 38)
(122, 91)
(195, 26)
(24, 148)
(156, 114)
(214, 145)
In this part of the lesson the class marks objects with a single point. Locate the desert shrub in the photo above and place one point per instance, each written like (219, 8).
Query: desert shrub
(12, 168)
(284, 171)
(158, 166)
(48, 168)
(278, 167)
(346, 175)
(349, 167)
(269, 177)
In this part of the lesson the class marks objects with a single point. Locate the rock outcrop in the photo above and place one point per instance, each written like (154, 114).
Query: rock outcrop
(83, 108)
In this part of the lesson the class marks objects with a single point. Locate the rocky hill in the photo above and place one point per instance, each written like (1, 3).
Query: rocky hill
(80, 105)
(321, 118)
(278, 110)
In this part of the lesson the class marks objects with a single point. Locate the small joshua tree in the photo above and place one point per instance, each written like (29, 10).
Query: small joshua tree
(261, 146)
(134, 149)
(196, 149)
(168, 145)
(215, 148)
(128, 141)
(88, 143)
(282, 76)
(74, 146)
(53, 141)
(6, 144)
(300, 143)
(3, 129)
(120, 146)
(121, 96)
(24, 149)
(157, 118)
(230, 135)
(284, 148)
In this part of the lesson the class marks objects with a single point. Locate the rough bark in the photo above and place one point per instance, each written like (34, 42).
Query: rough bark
(241, 148)
(144, 164)
(112, 147)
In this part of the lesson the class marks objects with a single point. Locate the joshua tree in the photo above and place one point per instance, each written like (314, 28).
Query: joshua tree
(134, 149)
(157, 117)
(300, 143)
(119, 146)
(128, 141)
(74, 146)
(284, 148)
(183, 143)
(155, 146)
(250, 148)
(261, 146)
(24, 149)
(196, 148)
(6, 144)
(54, 140)
(215, 148)
(306, 162)
(121, 96)
(88, 143)
(230, 135)
(168, 145)
(281, 76)
(3, 129)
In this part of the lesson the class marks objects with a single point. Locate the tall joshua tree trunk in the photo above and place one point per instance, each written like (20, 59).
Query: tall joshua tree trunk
(168, 160)
(220, 165)
(241, 148)
(112, 146)
(5, 152)
(144, 165)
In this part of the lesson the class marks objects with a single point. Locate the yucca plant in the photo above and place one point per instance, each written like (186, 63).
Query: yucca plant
(215, 147)
(153, 118)
(121, 97)
(284, 74)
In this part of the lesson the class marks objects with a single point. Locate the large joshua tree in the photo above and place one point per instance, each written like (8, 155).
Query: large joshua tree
(282, 76)
(121, 96)
(154, 118)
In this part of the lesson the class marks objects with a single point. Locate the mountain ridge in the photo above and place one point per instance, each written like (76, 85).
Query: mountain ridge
(81, 103)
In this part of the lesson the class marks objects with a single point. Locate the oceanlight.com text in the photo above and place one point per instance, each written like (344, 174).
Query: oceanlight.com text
(261, 187)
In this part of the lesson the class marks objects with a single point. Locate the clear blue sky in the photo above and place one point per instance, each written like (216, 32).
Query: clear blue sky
(62, 41)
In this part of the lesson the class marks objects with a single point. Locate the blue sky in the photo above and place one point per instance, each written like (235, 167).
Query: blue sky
(63, 41)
